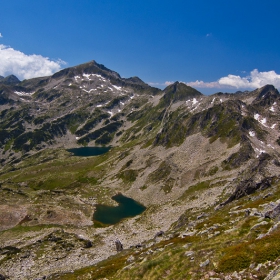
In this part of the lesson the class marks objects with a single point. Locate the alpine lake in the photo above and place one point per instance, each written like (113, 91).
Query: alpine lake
(89, 151)
(105, 215)
(109, 215)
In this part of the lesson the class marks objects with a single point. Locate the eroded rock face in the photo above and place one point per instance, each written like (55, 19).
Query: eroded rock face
(274, 214)
(248, 187)
(254, 178)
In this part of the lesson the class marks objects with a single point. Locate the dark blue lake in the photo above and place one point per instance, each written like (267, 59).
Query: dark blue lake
(109, 215)
(89, 151)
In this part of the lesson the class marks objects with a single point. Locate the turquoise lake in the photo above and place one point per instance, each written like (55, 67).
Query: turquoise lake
(109, 215)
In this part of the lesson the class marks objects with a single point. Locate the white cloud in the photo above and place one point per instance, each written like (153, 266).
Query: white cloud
(26, 66)
(256, 79)
(155, 84)
(201, 84)
(1, 36)
(168, 83)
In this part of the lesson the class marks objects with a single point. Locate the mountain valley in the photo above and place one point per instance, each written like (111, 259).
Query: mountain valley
(205, 167)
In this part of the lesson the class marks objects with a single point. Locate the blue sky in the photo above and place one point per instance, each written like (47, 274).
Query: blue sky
(211, 45)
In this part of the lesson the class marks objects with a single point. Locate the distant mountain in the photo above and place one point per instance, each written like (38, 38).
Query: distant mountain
(9, 80)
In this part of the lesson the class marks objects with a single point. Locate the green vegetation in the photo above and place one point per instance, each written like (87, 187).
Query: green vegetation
(196, 188)
(128, 176)
(161, 173)
(103, 135)
(212, 171)
(167, 187)
(96, 118)
(237, 159)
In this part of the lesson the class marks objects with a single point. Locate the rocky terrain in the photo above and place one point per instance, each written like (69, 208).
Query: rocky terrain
(205, 167)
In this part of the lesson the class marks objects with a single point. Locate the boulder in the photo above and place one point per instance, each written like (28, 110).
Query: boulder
(119, 246)
(206, 263)
(158, 234)
(273, 214)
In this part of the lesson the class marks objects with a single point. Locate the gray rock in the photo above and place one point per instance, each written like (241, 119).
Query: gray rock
(273, 214)
(26, 255)
(130, 259)
(206, 263)
(189, 253)
(247, 212)
(119, 246)
(274, 274)
(88, 244)
(259, 225)
(159, 234)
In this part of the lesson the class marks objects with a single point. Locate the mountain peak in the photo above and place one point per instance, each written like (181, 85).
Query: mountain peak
(91, 67)
(135, 80)
(9, 80)
(179, 92)
(267, 89)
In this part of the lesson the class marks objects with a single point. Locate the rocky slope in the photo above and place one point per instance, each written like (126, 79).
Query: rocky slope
(206, 167)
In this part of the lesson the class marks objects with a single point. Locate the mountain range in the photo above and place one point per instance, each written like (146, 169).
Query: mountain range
(206, 167)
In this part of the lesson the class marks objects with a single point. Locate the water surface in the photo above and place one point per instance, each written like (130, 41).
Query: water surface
(109, 215)
(89, 151)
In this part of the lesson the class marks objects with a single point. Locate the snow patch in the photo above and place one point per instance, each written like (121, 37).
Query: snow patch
(252, 133)
(194, 101)
(259, 151)
(256, 116)
(88, 91)
(22, 93)
(273, 126)
(87, 76)
(96, 75)
(117, 88)
(99, 76)
(260, 119)
(263, 121)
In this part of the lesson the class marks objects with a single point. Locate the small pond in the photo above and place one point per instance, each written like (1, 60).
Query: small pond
(89, 151)
(109, 215)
